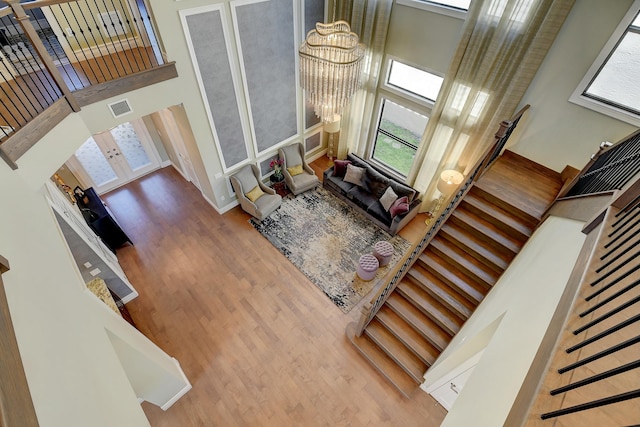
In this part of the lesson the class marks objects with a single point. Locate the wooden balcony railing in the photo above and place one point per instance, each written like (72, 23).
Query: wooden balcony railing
(60, 55)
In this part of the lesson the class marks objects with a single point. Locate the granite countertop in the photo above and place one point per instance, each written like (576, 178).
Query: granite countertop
(99, 288)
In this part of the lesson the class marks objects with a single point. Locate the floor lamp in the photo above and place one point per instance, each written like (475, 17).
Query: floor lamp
(332, 128)
(447, 184)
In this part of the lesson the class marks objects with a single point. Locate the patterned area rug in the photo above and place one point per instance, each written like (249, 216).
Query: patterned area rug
(324, 238)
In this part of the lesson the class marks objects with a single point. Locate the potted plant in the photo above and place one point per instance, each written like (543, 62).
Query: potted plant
(276, 165)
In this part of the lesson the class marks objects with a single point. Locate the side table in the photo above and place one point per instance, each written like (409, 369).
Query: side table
(280, 187)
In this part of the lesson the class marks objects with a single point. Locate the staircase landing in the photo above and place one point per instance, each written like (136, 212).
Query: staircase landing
(454, 273)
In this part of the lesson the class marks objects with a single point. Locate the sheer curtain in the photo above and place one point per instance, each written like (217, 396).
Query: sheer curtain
(502, 46)
(369, 19)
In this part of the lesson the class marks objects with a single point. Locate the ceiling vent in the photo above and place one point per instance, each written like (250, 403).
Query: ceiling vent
(120, 108)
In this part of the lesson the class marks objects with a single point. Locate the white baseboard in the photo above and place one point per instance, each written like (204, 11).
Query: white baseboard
(226, 208)
(182, 392)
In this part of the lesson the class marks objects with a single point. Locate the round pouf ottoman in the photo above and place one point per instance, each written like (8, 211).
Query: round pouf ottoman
(367, 267)
(383, 251)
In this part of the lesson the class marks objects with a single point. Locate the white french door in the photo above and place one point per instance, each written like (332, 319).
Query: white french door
(113, 158)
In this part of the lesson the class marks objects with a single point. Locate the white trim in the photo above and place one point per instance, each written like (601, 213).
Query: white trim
(435, 8)
(600, 107)
(166, 163)
(182, 392)
(183, 18)
(225, 209)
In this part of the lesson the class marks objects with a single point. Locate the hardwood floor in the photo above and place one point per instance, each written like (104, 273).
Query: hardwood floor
(261, 345)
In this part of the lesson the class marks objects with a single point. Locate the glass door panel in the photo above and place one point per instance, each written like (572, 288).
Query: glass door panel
(95, 163)
(131, 146)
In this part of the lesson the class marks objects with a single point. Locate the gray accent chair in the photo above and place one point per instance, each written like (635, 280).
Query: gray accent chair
(293, 155)
(245, 180)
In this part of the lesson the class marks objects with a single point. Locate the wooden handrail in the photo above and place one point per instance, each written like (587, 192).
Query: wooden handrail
(370, 309)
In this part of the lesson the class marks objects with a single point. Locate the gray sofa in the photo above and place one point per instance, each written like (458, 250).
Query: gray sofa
(365, 198)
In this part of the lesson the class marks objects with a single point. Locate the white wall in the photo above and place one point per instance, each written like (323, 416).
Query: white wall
(510, 325)
(73, 372)
(556, 132)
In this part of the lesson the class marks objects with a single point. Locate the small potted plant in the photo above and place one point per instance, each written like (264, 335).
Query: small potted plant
(276, 165)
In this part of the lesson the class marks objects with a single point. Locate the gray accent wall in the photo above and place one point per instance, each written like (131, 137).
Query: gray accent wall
(313, 142)
(266, 33)
(207, 38)
(313, 12)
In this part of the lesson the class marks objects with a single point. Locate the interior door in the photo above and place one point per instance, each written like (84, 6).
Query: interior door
(113, 158)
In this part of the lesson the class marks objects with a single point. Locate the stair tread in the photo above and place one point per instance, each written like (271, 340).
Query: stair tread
(410, 337)
(501, 217)
(457, 280)
(397, 351)
(382, 363)
(441, 291)
(463, 261)
(429, 317)
(522, 183)
(487, 231)
(457, 236)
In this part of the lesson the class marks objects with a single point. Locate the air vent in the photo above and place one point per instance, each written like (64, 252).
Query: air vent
(120, 108)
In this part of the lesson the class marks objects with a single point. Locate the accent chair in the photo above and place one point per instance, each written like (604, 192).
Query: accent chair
(255, 198)
(298, 175)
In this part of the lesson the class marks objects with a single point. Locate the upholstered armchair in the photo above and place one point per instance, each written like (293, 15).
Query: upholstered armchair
(254, 196)
(298, 175)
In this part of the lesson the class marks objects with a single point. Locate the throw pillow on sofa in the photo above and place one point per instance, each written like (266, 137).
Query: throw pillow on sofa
(374, 182)
(388, 198)
(340, 167)
(399, 207)
(354, 175)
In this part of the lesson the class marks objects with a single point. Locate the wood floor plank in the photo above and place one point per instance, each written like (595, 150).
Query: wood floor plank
(261, 345)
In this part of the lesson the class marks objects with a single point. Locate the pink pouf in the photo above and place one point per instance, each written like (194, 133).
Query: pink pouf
(367, 267)
(383, 251)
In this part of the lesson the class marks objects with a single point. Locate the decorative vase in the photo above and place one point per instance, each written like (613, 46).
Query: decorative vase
(276, 178)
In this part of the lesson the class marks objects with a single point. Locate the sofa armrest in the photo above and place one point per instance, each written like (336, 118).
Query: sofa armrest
(401, 220)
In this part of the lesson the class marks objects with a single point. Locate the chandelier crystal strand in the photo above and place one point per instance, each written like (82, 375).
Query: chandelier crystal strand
(330, 68)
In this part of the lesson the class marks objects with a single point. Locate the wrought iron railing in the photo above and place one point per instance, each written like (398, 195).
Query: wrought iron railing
(605, 368)
(491, 154)
(609, 169)
(52, 48)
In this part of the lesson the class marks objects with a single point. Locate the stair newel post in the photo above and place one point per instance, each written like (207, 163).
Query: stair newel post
(364, 318)
(31, 33)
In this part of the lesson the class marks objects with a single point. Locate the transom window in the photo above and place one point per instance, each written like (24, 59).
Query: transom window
(398, 136)
(456, 4)
(612, 85)
(415, 81)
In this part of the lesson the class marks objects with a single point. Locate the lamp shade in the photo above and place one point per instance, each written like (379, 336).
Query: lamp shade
(333, 126)
(449, 181)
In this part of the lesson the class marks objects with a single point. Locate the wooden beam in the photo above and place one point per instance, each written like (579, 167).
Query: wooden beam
(102, 91)
(26, 137)
(16, 406)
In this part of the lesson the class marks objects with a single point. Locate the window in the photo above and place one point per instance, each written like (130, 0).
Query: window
(454, 8)
(414, 81)
(612, 85)
(398, 136)
(455, 4)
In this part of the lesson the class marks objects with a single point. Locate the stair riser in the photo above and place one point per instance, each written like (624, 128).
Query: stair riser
(434, 317)
(473, 297)
(520, 235)
(414, 375)
(461, 313)
(496, 245)
(484, 278)
(472, 253)
(426, 358)
(524, 217)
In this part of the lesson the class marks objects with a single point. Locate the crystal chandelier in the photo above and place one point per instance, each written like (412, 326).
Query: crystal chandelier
(330, 68)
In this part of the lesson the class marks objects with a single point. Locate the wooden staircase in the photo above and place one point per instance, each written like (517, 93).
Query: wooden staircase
(453, 274)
